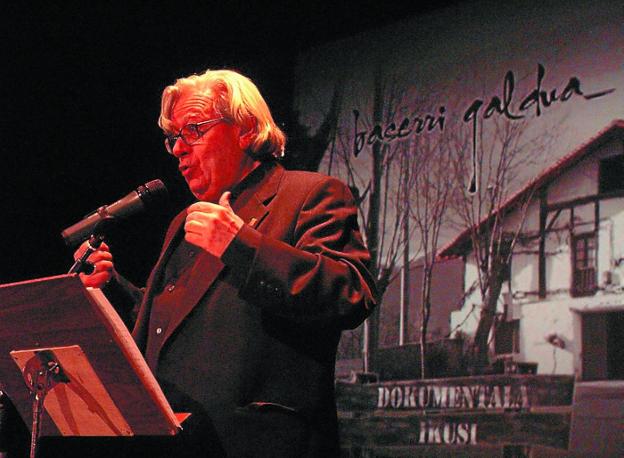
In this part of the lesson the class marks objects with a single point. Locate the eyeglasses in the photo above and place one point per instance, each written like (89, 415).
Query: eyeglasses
(191, 133)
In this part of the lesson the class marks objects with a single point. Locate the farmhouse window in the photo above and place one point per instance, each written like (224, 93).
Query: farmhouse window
(583, 264)
(507, 337)
(611, 173)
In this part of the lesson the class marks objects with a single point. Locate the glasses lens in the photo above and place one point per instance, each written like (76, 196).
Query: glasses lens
(190, 134)
(170, 143)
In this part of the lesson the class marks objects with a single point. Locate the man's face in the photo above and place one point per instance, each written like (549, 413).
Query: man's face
(217, 162)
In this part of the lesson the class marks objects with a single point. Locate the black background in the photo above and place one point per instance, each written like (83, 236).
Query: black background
(80, 99)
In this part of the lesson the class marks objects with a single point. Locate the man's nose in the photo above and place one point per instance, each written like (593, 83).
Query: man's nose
(179, 148)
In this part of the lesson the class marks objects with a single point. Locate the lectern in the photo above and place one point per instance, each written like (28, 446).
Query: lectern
(71, 367)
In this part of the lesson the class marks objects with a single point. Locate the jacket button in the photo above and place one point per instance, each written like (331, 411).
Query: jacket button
(170, 288)
(158, 331)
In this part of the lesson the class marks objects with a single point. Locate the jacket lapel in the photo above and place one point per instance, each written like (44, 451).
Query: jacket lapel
(172, 238)
(205, 271)
(249, 205)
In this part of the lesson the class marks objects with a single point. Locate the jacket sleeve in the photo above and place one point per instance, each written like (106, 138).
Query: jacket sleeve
(322, 277)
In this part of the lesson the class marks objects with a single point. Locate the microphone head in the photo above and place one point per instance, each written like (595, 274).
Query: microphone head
(154, 194)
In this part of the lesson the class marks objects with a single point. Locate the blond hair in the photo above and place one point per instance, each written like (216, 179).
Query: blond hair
(235, 97)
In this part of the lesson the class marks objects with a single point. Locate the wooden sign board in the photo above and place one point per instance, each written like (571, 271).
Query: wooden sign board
(468, 429)
(464, 411)
(494, 392)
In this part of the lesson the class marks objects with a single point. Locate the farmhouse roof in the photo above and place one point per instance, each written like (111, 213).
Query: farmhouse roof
(460, 243)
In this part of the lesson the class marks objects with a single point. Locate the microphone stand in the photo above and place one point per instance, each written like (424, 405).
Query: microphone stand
(41, 373)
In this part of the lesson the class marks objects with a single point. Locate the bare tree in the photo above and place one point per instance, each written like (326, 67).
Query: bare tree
(505, 149)
(402, 192)
(376, 187)
(430, 185)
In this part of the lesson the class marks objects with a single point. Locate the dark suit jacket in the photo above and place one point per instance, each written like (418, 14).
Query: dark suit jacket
(250, 351)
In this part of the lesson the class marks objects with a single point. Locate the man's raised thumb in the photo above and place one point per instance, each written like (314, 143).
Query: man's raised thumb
(224, 200)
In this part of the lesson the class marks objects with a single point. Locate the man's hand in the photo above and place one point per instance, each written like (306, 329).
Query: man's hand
(211, 226)
(102, 261)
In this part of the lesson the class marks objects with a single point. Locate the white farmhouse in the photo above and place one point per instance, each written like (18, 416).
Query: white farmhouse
(563, 305)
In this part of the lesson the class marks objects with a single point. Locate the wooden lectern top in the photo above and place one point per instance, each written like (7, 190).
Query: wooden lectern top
(111, 391)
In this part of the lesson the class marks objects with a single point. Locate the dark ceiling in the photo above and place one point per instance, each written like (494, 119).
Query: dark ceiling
(80, 92)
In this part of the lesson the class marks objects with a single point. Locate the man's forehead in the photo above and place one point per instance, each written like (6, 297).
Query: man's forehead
(190, 106)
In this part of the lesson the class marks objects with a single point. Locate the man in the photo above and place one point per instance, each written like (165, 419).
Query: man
(243, 311)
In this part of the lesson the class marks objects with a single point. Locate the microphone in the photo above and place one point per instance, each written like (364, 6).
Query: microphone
(146, 197)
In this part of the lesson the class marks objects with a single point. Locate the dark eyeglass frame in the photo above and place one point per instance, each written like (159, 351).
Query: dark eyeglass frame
(170, 140)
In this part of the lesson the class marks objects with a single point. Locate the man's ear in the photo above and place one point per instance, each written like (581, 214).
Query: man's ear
(248, 133)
